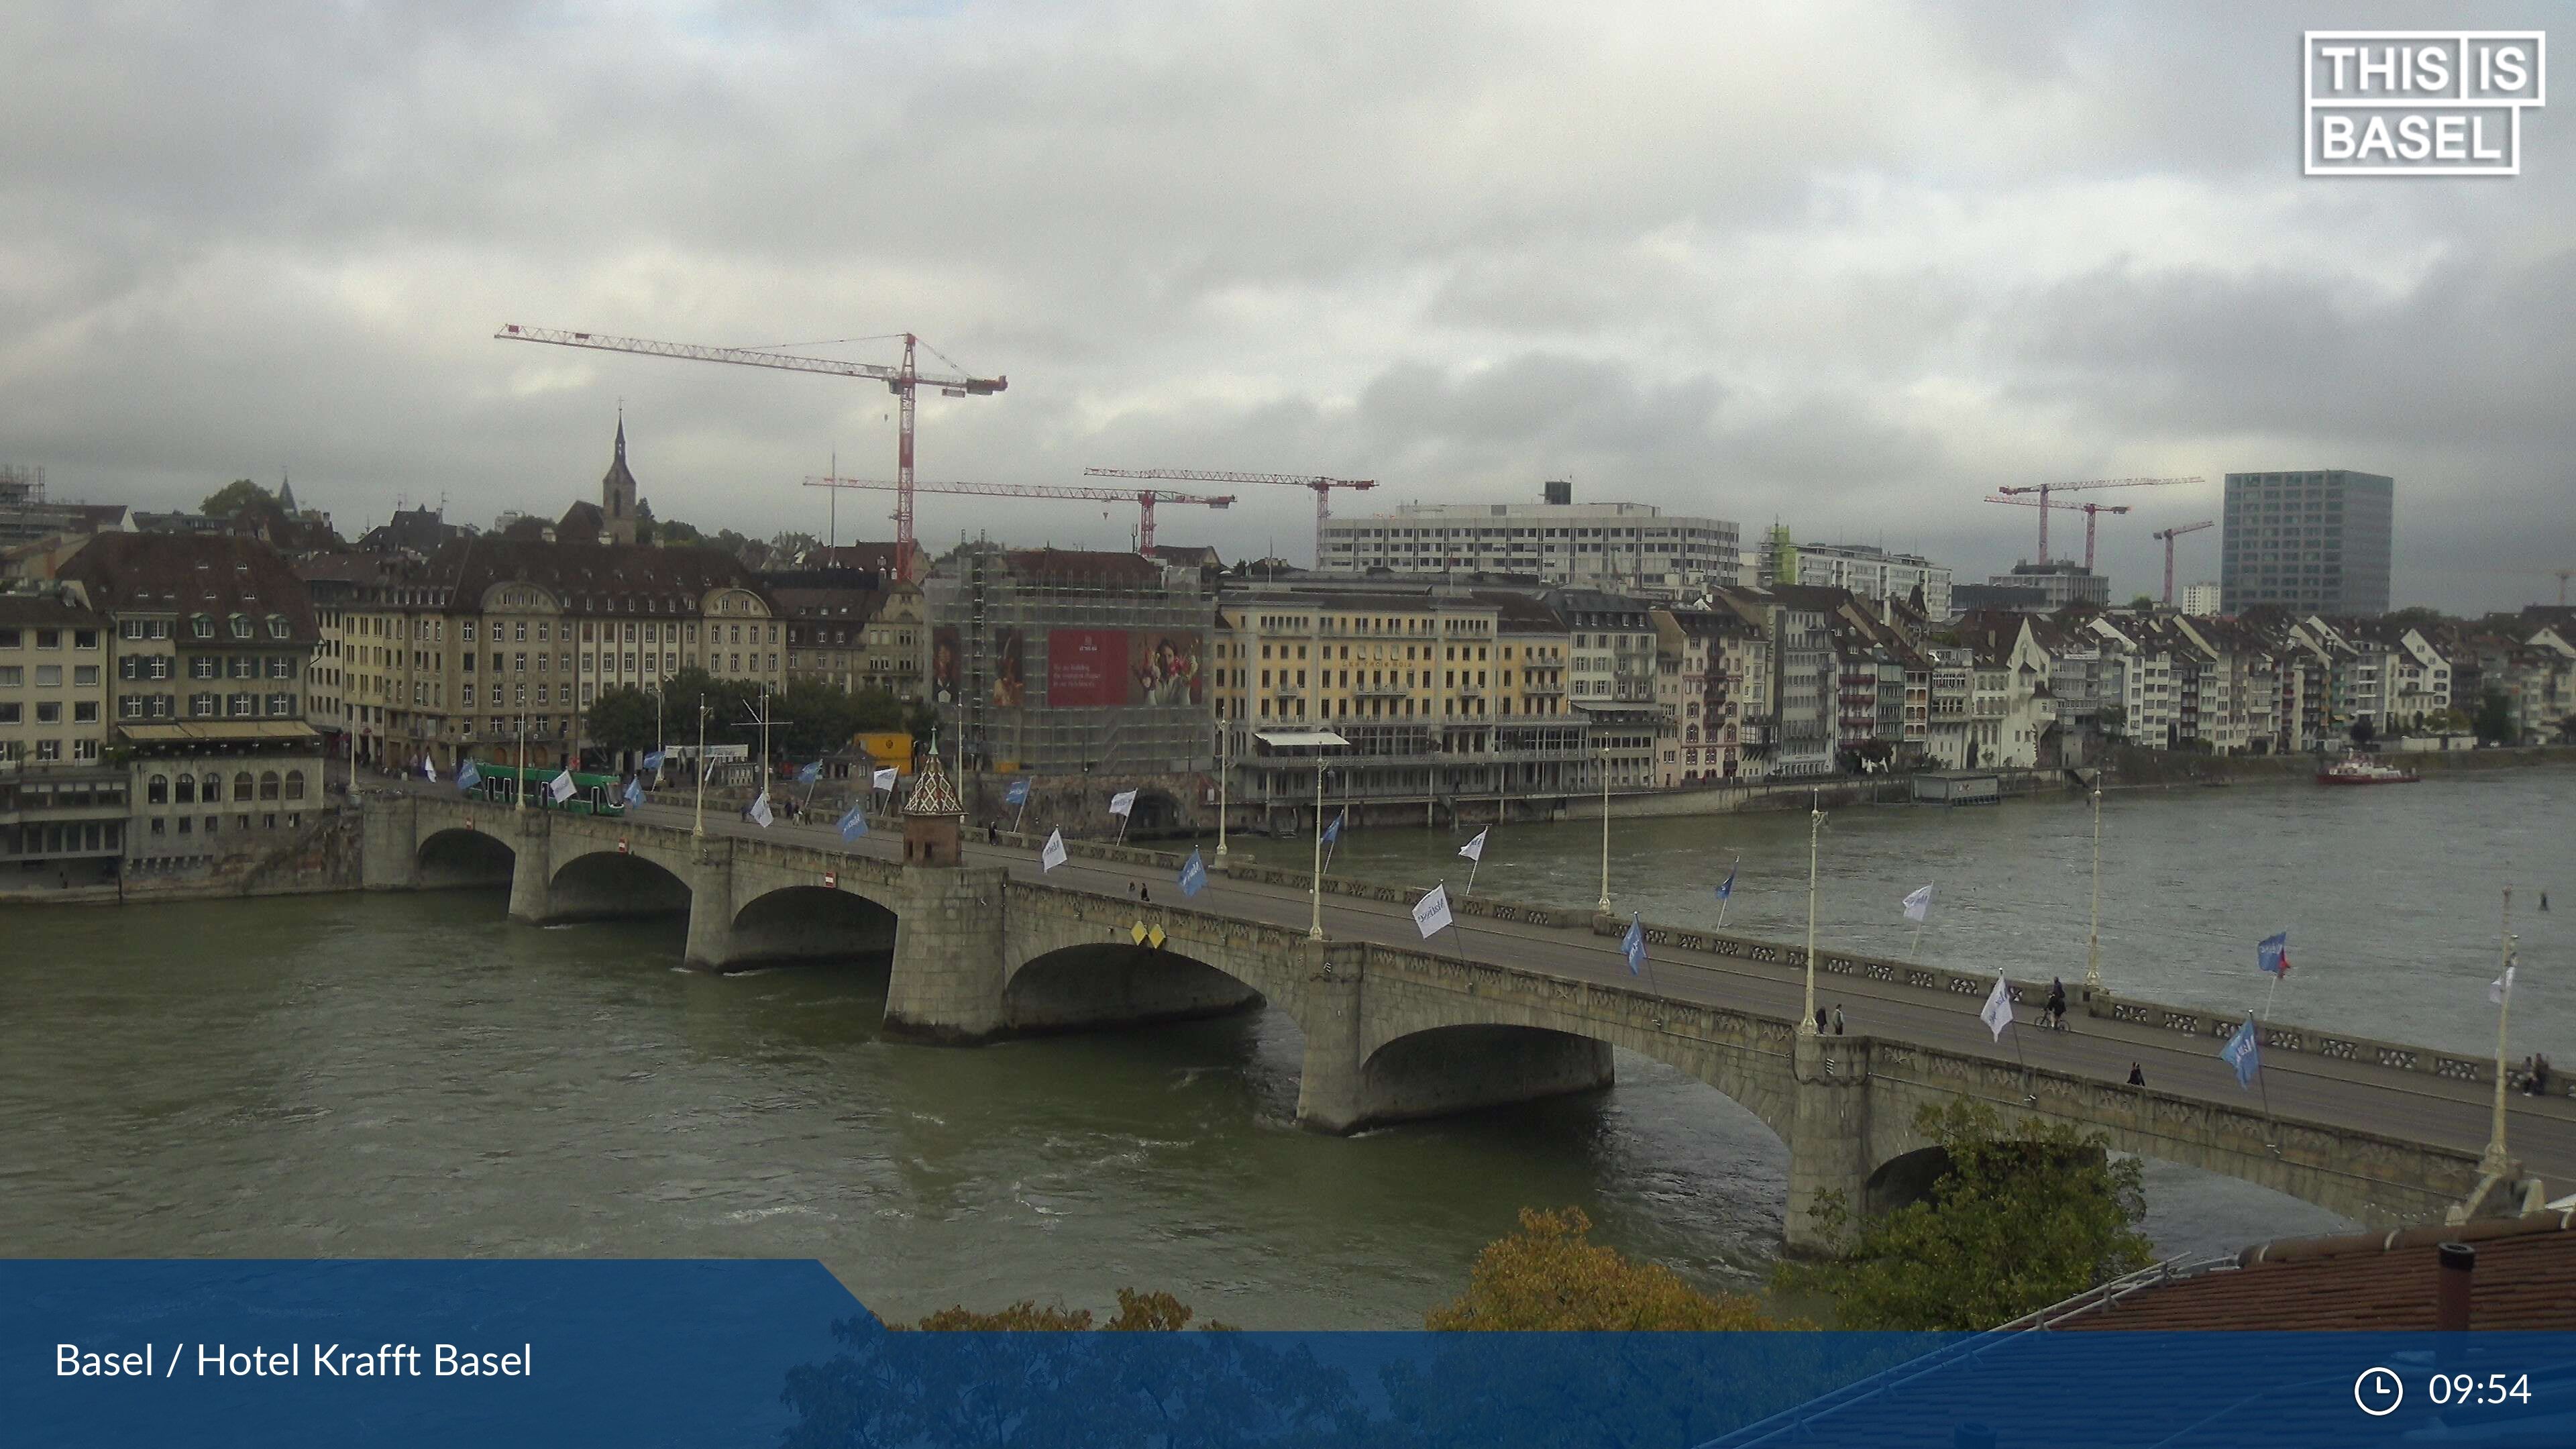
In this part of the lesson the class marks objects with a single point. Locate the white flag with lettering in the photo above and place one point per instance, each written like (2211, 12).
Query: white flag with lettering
(760, 810)
(1919, 904)
(1053, 855)
(1122, 803)
(561, 787)
(1431, 913)
(883, 779)
(1475, 849)
(1998, 1012)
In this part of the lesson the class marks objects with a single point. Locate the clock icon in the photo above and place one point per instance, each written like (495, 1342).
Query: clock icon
(2378, 1391)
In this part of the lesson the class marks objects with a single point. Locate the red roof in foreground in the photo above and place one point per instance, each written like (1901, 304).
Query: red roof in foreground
(2525, 1280)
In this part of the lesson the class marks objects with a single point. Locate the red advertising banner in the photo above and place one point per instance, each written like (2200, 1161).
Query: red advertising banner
(1086, 668)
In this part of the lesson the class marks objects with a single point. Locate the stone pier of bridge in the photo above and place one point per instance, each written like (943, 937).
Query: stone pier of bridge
(1390, 1032)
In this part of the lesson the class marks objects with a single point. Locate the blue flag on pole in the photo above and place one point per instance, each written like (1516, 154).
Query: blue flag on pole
(810, 773)
(2274, 954)
(1193, 875)
(1018, 793)
(1635, 947)
(634, 794)
(2243, 1053)
(467, 777)
(1726, 887)
(653, 761)
(1333, 831)
(854, 823)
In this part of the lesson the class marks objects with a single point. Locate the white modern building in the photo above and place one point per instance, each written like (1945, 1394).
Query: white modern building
(1875, 574)
(2201, 600)
(1621, 547)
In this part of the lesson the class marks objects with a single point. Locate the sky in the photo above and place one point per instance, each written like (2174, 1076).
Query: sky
(1848, 267)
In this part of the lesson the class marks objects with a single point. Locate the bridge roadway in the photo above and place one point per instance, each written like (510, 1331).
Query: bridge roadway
(2417, 1107)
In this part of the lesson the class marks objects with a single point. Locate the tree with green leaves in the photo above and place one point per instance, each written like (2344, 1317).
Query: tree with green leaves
(2143, 603)
(2363, 731)
(2494, 719)
(2025, 1216)
(622, 719)
(2112, 720)
(238, 496)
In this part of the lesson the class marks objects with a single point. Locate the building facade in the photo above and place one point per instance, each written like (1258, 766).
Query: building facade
(1874, 574)
(2202, 600)
(2316, 542)
(1622, 547)
(2058, 582)
(62, 804)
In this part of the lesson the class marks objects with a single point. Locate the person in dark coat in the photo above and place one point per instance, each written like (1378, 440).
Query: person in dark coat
(2137, 1076)
(2057, 1000)
(1820, 1019)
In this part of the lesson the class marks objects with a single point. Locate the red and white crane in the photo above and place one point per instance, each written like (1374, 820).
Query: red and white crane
(2087, 509)
(900, 380)
(2169, 535)
(1323, 487)
(2045, 489)
(1143, 498)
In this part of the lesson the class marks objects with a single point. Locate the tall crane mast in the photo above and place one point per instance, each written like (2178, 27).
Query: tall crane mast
(2045, 489)
(1143, 498)
(1323, 487)
(2169, 535)
(2087, 509)
(900, 380)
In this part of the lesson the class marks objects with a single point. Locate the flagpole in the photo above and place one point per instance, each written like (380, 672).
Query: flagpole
(2493, 1163)
(2093, 944)
(698, 825)
(1315, 887)
(1221, 761)
(1815, 833)
(1605, 851)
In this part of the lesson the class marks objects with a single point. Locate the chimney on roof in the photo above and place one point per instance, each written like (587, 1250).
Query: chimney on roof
(2451, 1295)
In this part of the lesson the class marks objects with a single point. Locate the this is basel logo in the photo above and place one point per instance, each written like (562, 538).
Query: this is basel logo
(2420, 102)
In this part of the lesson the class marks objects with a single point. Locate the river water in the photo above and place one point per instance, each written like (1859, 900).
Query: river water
(416, 1076)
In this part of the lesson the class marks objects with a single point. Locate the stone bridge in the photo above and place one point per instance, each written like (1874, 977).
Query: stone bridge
(1391, 1031)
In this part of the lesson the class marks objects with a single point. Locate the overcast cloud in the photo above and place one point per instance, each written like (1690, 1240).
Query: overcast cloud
(1849, 266)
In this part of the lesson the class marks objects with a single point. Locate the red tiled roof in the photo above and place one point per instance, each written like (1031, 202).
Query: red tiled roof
(2525, 1279)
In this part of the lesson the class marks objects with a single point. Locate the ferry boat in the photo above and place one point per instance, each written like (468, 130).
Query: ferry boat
(2363, 770)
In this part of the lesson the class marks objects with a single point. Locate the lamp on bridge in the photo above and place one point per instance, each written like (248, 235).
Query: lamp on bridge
(933, 818)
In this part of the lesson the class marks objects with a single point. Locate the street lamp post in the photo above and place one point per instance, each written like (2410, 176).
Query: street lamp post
(1815, 833)
(1315, 886)
(698, 825)
(2093, 945)
(1604, 906)
(1221, 760)
(2493, 1162)
(523, 759)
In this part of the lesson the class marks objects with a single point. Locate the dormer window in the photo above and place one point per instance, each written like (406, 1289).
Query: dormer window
(241, 626)
(277, 626)
(202, 626)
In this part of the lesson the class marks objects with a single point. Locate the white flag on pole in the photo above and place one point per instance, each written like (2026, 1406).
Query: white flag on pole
(561, 787)
(1919, 904)
(1431, 913)
(429, 767)
(1475, 849)
(760, 810)
(882, 779)
(1122, 803)
(1053, 855)
(2500, 988)
(1998, 1012)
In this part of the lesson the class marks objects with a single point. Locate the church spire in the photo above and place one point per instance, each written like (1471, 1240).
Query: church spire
(617, 490)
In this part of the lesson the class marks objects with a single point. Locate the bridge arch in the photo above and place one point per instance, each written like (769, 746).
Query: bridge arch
(604, 883)
(809, 922)
(1117, 981)
(459, 859)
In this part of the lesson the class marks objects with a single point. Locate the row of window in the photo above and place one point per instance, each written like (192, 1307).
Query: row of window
(209, 787)
(48, 676)
(49, 638)
(47, 751)
(49, 711)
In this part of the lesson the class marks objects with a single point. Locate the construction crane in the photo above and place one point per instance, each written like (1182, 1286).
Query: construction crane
(2169, 535)
(2087, 509)
(900, 380)
(1323, 487)
(1143, 498)
(2045, 489)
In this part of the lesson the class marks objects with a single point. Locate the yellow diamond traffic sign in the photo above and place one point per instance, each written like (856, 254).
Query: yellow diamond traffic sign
(1155, 938)
(1138, 932)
